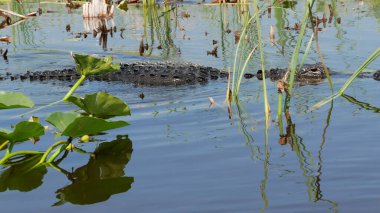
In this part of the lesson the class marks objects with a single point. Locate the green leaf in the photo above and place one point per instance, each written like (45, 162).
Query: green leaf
(10, 100)
(101, 105)
(77, 101)
(369, 60)
(62, 119)
(90, 126)
(123, 5)
(2, 143)
(89, 65)
(23, 131)
(23, 176)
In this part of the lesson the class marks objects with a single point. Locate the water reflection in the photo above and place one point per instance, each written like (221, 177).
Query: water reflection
(22, 31)
(281, 23)
(100, 27)
(361, 104)
(244, 122)
(266, 167)
(22, 175)
(243, 116)
(102, 177)
(160, 28)
(311, 169)
(334, 205)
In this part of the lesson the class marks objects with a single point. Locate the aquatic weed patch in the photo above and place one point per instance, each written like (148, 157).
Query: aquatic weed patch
(91, 117)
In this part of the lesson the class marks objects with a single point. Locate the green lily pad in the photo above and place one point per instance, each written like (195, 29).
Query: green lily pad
(62, 119)
(10, 100)
(123, 5)
(23, 176)
(101, 105)
(23, 131)
(90, 126)
(89, 65)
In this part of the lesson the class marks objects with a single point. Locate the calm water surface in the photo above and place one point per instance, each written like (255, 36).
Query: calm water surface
(189, 156)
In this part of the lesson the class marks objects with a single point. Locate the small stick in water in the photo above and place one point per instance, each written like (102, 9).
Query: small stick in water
(212, 101)
(271, 36)
(141, 49)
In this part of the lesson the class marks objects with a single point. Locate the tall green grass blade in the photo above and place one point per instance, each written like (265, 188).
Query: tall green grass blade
(349, 81)
(279, 106)
(359, 70)
(324, 66)
(262, 61)
(243, 70)
(235, 67)
(294, 61)
(307, 50)
(323, 102)
(320, 52)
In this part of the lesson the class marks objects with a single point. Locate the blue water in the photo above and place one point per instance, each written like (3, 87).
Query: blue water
(189, 156)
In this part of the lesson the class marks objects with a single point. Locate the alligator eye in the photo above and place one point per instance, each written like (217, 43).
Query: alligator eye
(314, 69)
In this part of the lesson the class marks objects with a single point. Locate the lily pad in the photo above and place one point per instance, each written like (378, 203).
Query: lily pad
(101, 105)
(89, 65)
(23, 131)
(123, 5)
(10, 100)
(62, 119)
(90, 126)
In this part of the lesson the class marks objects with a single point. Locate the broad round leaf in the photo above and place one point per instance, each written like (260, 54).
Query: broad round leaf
(123, 5)
(77, 101)
(89, 65)
(62, 119)
(23, 131)
(90, 126)
(10, 100)
(101, 105)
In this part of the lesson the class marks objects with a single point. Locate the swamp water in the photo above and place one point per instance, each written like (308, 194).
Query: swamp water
(189, 156)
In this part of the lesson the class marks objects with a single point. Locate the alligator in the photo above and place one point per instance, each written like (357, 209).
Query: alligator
(158, 73)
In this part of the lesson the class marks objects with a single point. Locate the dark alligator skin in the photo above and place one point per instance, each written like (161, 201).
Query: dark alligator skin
(158, 73)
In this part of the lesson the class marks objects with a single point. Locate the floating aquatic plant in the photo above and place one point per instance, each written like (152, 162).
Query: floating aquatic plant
(88, 65)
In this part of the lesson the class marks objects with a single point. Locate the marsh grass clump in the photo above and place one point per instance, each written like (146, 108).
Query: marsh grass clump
(309, 25)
